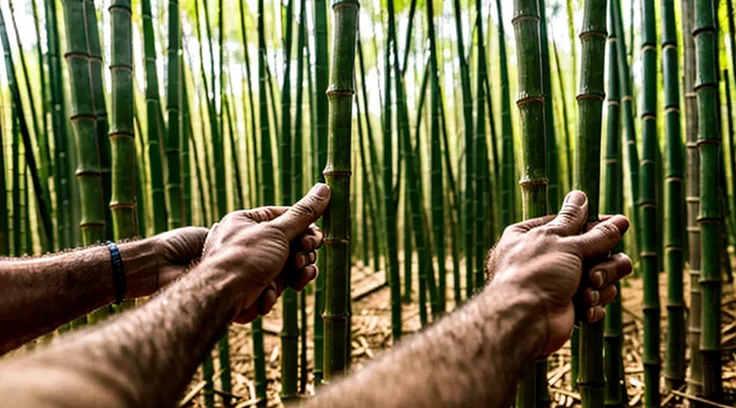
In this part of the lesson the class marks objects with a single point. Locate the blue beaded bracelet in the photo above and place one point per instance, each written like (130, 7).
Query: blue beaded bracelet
(116, 260)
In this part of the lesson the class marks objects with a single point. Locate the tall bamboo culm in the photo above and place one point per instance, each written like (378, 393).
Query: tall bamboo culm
(587, 178)
(695, 372)
(122, 142)
(173, 139)
(627, 112)
(649, 247)
(290, 328)
(337, 175)
(705, 34)
(320, 126)
(508, 173)
(267, 197)
(615, 388)
(92, 223)
(154, 127)
(674, 372)
(530, 102)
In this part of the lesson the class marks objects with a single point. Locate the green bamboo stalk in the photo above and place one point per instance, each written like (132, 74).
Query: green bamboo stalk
(649, 248)
(407, 40)
(290, 330)
(320, 124)
(252, 108)
(337, 176)
(267, 196)
(480, 156)
(172, 145)
(38, 133)
(587, 169)
(571, 32)
(4, 224)
(389, 216)
(674, 203)
(140, 177)
(64, 210)
(99, 105)
(153, 125)
(628, 119)
(553, 168)
(467, 109)
(16, 176)
(565, 116)
(531, 105)
(705, 35)
(614, 391)
(83, 121)
(186, 129)
(42, 138)
(508, 177)
(437, 185)
(122, 133)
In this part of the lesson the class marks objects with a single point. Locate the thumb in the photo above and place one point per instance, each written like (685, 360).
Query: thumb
(571, 218)
(301, 215)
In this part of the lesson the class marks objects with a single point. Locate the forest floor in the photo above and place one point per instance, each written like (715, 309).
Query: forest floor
(371, 335)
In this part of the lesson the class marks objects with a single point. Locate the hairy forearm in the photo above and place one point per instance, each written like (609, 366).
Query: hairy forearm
(471, 358)
(40, 294)
(143, 358)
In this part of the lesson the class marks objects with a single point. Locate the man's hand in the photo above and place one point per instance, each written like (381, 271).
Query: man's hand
(547, 256)
(267, 249)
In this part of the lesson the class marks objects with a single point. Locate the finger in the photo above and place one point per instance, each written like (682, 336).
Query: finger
(591, 297)
(528, 225)
(571, 218)
(596, 314)
(608, 272)
(249, 314)
(305, 276)
(312, 239)
(268, 299)
(301, 215)
(304, 259)
(607, 295)
(601, 239)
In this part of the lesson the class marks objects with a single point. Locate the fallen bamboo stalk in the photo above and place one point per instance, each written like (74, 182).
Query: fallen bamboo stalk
(698, 399)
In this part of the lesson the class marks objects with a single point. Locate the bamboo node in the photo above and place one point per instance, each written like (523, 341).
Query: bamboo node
(114, 206)
(644, 162)
(345, 4)
(73, 55)
(709, 220)
(669, 45)
(647, 254)
(121, 134)
(649, 116)
(337, 173)
(673, 248)
(613, 102)
(674, 179)
(525, 182)
(121, 67)
(593, 33)
(334, 318)
(691, 145)
(690, 95)
(83, 117)
(672, 109)
(521, 18)
(118, 7)
(340, 92)
(693, 229)
(611, 161)
(647, 48)
(627, 98)
(581, 97)
(530, 99)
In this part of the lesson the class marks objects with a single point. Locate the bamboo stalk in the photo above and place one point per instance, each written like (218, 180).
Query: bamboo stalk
(674, 204)
(122, 133)
(531, 105)
(508, 174)
(705, 35)
(615, 389)
(337, 176)
(587, 170)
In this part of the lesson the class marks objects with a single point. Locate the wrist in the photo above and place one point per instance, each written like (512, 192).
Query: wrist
(140, 265)
(524, 315)
(230, 282)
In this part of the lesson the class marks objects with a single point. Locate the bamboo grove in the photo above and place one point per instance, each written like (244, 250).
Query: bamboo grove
(127, 118)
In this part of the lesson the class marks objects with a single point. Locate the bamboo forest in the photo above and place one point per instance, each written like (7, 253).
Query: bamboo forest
(436, 124)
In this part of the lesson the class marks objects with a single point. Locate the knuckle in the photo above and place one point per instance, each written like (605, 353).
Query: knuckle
(304, 208)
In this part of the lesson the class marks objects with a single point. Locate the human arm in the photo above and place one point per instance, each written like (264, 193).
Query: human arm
(41, 293)
(145, 357)
(474, 356)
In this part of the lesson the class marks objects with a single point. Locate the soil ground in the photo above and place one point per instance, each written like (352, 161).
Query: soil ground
(371, 335)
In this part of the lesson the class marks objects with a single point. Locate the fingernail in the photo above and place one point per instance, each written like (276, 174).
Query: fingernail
(321, 190)
(597, 279)
(594, 297)
(576, 198)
